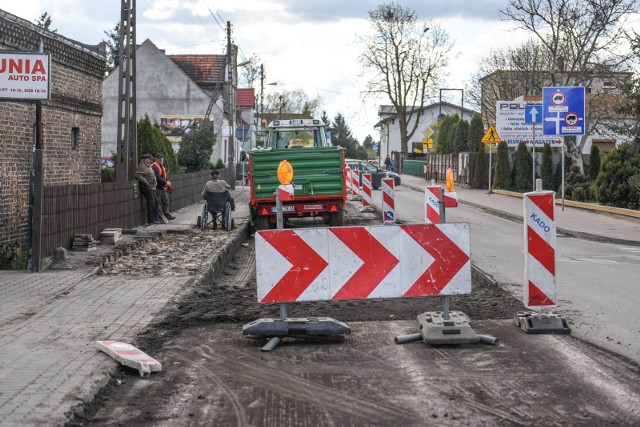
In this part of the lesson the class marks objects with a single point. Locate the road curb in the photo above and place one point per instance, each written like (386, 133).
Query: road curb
(566, 232)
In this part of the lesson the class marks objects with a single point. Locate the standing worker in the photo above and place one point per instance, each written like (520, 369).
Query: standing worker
(162, 186)
(148, 183)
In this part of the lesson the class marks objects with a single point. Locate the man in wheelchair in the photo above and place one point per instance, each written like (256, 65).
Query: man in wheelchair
(218, 202)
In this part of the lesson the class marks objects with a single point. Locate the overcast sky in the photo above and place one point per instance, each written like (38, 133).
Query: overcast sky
(291, 36)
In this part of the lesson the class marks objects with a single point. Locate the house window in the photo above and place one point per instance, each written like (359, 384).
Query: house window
(75, 138)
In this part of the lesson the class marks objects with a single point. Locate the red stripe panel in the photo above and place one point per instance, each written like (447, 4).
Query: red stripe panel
(448, 260)
(541, 250)
(377, 262)
(537, 297)
(545, 204)
(306, 265)
(128, 352)
(388, 200)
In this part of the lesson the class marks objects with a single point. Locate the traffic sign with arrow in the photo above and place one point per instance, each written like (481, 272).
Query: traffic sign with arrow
(533, 114)
(363, 262)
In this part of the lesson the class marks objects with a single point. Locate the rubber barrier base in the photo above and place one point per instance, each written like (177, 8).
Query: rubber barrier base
(541, 323)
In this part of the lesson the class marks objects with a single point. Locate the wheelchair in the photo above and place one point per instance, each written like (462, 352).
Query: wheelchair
(218, 208)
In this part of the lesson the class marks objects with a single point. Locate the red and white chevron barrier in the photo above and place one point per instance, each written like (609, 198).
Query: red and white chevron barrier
(540, 251)
(366, 193)
(312, 264)
(355, 184)
(130, 356)
(388, 186)
(432, 204)
(347, 173)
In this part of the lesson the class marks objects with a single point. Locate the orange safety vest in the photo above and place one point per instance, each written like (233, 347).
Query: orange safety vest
(161, 169)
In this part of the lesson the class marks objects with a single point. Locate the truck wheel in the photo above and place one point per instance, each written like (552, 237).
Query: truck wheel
(262, 222)
(337, 219)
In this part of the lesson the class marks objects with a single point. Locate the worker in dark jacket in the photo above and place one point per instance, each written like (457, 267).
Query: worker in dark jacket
(148, 183)
(162, 184)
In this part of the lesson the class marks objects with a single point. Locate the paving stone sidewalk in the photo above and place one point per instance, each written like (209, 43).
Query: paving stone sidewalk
(50, 321)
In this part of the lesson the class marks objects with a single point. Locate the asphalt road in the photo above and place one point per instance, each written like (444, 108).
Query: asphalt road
(596, 282)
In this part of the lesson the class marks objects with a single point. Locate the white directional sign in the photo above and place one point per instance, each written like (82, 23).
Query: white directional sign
(563, 110)
(514, 126)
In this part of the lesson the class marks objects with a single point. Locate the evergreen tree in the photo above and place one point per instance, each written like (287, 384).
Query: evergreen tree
(476, 132)
(617, 181)
(147, 142)
(594, 162)
(113, 47)
(196, 149)
(481, 172)
(502, 169)
(546, 169)
(44, 21)
(445, 136)
(523, 168)
(343, 137)
(461, 136)
(451, 137)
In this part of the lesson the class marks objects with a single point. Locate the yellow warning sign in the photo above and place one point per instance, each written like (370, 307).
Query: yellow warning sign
(491, 137)
(427, 143)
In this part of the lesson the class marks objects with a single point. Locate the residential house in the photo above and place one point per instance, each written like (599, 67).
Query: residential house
(389, 127)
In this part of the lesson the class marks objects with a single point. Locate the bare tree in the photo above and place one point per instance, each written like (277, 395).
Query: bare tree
(251, 71)
(292, 102)
(405, 59)
(508, 74)
(585, 40)
(113, 42)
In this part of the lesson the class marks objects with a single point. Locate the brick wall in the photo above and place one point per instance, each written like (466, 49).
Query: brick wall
(77, 72)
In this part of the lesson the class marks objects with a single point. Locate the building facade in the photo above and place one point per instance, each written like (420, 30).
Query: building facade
(71, 125)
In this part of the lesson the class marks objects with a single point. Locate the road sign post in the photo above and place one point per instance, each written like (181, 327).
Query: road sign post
(491, 137)
(533, 115)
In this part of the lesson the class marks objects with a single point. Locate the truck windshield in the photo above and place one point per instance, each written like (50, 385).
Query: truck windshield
(290, 138)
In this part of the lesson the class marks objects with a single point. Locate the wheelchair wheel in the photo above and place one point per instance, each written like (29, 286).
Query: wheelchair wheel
(227, 221)
(204, 219)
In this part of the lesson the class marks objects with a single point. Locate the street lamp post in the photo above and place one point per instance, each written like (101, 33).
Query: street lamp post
(461, 106)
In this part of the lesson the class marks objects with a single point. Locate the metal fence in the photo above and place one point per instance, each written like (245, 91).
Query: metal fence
(463, 165)
(88, 209)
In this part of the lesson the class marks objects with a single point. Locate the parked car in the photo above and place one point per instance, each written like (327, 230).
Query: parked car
(376, 173)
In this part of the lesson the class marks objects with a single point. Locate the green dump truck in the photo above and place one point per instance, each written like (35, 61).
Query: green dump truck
(318, 178)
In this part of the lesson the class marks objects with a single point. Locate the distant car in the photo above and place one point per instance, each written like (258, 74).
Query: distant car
(107, 163)
(374, 162)
(376, 173)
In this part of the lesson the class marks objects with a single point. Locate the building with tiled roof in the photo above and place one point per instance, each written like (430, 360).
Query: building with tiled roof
(207, 71)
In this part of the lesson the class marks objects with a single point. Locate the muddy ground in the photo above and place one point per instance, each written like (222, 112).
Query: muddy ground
(214, 376)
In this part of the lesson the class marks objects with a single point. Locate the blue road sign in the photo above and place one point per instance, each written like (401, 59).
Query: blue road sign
(375, 147)
(563, 110)
(533, 114)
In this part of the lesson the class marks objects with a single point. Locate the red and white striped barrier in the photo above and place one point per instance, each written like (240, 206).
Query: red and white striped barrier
(348, 179)
(366, 193)
(355, 184)
(130, 356)
(285, 192)
(311, 264)
(388, 201)
(432, 205)
(450, 199)
(540, 252)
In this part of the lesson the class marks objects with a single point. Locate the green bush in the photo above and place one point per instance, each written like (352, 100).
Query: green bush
(480, 174)
(523, 169)
(196, 149)
(502, 170)
(476, 132)
(546, 169)
(577, 185)
(219, 164)
(594, 162)
(107, 175)
(614, 185)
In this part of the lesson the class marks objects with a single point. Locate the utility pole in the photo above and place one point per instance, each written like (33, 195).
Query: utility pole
(127, 145)
(231, 75)
(261, 95)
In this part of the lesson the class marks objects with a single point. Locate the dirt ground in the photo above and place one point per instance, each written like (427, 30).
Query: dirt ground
(214, 376)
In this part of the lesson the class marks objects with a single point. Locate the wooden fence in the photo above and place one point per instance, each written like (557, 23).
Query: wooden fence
(88, 209)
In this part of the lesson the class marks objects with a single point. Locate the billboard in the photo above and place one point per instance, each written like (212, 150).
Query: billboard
(25, 76)
(174, 127)
(512, 127)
